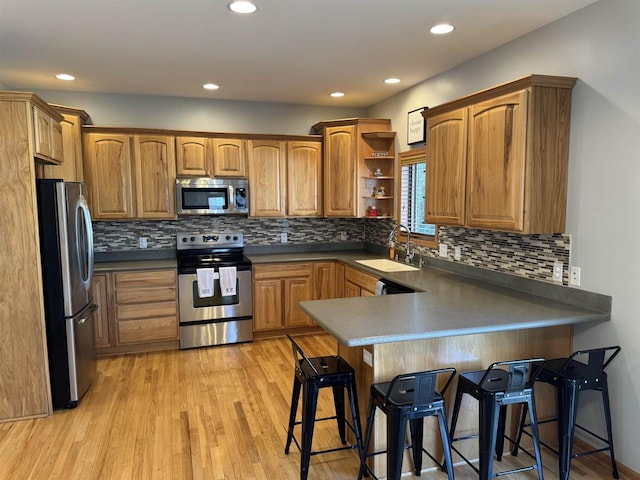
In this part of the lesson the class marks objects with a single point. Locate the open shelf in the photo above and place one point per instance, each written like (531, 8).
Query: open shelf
(390, 135)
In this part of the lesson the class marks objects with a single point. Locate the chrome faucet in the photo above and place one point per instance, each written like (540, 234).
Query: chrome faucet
(409, 252)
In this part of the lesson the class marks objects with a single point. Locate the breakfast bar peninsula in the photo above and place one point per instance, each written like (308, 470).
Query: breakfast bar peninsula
(455, 321)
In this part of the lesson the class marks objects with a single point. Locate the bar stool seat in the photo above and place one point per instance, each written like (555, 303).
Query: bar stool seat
(570, 376)
(408, 398)
(495, 389)
(312, 374)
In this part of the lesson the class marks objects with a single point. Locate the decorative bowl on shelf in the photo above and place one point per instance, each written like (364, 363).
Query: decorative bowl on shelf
(377, 172)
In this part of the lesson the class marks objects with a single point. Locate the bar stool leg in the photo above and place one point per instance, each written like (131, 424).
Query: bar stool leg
(446, 443)
(604, 388)
(523, 418)
(456, 411)
(309, 404)
(531, 403)
(396, 432)
(295, 396)
(338, 401)
(500, 439)
(367, 439)
(489, 413)
(355, 415)
(416, 428)
(567, 413)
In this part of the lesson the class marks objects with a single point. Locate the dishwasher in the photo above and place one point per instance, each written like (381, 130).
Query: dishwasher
(387, 287)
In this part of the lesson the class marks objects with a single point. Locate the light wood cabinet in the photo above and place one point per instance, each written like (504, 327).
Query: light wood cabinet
(71, 169)
(155, 176)
(267, 178)
(279, 287)
(47, 136)
(24, 376)
(353, 150)
(513, 143)
(130, 176)
(358, 283)
(228, 157)
(284, 177)
(99, 289)
(191, 156)
(146, 307)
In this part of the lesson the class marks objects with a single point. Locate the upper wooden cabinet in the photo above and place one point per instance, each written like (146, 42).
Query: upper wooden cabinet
(130, 176)
(47, 136)
(498, 159)
(191, 156)
(228, 157)
(71, 169)
(284, 178)
(353, 150)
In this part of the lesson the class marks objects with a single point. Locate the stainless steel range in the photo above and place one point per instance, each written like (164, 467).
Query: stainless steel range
(214, 289)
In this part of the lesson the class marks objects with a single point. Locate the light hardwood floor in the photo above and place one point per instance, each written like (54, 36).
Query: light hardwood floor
(213, 413)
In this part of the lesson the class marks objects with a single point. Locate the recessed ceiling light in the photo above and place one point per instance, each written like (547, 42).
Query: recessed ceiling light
(391, 81)
(65, 76)
(210, 86)
(242, 6)
(441, 29)
(337, 94)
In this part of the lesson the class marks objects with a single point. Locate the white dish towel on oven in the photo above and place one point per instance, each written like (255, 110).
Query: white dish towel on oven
(205, 278)
(227, 281)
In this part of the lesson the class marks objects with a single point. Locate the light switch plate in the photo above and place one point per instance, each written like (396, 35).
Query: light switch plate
(283, 237)
(443, 250)
(558, 267)
(366, 357)
(142, 242)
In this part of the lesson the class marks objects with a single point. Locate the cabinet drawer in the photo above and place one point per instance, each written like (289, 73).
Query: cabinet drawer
(146, 279)
(363, 280)
(283, 270)
(147, 330)
(146, 310)
(145, 295)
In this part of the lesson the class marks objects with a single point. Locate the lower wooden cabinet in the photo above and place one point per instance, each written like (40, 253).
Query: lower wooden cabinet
(358, 284)
(279, 287)
(141, 311)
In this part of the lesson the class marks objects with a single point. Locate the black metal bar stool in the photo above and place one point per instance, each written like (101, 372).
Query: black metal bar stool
(312, 374)
(495, 389)
(570, 377)
(408, 398)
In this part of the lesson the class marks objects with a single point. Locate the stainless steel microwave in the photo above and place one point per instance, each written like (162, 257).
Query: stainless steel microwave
(212, 196)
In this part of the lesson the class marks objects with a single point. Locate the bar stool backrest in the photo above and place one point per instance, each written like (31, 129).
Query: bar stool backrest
(423, 385)
(519, 377)
(597, 360)
(301, 360)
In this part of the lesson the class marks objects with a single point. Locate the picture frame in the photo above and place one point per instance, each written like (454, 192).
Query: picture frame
(416, 126)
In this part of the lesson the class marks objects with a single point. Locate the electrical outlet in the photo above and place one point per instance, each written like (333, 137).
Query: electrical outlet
(574, 276)
(283, 237)
(142, 242)
(457, 253)
(343, 236)
(558, 267)
(443, 250)
(366, 357)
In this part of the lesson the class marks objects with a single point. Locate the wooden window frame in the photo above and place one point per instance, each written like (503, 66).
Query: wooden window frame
(408, 157)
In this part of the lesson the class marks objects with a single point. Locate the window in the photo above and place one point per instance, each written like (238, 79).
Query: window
(413, 185)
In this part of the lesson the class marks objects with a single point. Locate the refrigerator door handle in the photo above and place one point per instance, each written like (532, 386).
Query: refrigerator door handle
(85, 252)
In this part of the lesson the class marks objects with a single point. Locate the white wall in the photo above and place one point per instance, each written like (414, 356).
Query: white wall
(117, 110)
(601, 46)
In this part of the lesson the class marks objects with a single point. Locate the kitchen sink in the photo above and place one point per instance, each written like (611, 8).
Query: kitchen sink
(386, 265)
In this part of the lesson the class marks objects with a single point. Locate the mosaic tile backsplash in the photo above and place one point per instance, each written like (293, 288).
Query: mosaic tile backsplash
(530, 256)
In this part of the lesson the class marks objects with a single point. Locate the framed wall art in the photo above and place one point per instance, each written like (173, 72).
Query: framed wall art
(416, 126)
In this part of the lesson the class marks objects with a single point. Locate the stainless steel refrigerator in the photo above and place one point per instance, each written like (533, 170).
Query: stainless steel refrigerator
(66, 248)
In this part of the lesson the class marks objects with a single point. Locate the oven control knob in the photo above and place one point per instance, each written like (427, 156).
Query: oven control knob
(184, 239)
(228, 237)
(235, 238)
(193, 239)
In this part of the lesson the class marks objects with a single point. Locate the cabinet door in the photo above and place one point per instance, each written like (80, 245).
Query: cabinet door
(155, 164)
(496, 163)
(351, 289)
(297, 290)
(324, 280)
(267, 304)
(71, 168)
(101, 318)
(228, 157)
(109, 171)
(43, 138)
(304, 177)
(267, 178)
(339, 280)
(191, 156)
(57, 147)
(446, 168)
(340, 172)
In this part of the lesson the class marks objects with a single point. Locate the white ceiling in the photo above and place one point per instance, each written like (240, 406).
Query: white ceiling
(292, 51)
